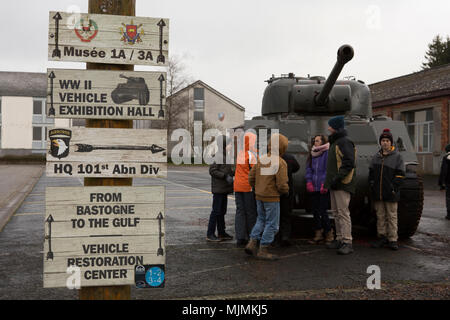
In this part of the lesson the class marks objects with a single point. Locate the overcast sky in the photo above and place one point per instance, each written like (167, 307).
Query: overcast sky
(235, 45)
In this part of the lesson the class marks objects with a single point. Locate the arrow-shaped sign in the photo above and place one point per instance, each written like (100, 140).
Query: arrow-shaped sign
(51, 112)
(56, 51)
(160, 249)
(161, 96)
(161, 24)
(82, 147)
(50, 253)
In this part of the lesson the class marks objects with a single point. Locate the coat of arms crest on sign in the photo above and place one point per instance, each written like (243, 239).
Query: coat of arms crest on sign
(86, 30)
(131, 34)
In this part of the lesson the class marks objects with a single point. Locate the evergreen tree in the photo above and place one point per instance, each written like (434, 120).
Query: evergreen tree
(438, 53)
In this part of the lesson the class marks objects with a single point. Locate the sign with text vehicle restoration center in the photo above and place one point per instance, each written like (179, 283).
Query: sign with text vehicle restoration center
(106, 232)
(102, 38)
(97, 94)
(105, 152)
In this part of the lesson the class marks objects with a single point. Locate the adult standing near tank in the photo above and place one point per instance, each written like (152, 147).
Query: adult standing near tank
(340, 180)
(444, 178)
(246, 213)
(316, 171)
(386, 175)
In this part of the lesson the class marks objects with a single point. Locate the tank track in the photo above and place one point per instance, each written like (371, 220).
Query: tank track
(410, 205)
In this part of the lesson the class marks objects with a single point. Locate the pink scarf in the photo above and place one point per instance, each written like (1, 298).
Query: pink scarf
(317, 151)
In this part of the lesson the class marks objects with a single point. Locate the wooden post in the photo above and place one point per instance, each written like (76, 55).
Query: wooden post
(124, 8)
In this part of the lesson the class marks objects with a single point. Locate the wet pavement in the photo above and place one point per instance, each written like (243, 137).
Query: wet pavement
(196, 269)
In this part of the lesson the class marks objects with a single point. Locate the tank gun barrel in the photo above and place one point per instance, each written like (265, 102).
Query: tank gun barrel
(344, 55)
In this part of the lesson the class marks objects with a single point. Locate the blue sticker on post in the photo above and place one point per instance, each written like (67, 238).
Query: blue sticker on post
(150, 276)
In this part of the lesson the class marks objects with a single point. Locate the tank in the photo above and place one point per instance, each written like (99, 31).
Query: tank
(300, 107)
(134, 88)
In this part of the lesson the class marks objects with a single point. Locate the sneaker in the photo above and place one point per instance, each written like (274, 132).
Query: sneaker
(335, 244)
(380, 243)
(225, 237)
(212, 238)
(346, 248)
(393, 245)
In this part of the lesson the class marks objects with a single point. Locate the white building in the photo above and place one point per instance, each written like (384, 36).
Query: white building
(23, 120)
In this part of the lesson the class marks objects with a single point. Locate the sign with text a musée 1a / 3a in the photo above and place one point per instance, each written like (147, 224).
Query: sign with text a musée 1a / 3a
(102, 38)
(109, 234)
(97, 94)
(105, 152)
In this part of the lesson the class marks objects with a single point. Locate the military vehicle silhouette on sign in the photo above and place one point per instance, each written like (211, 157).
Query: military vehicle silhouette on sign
(134, 88)
(300, 108)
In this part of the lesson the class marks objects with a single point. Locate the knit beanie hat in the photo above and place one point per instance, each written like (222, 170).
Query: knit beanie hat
(447, 148)
(388, 135)
(336, 122)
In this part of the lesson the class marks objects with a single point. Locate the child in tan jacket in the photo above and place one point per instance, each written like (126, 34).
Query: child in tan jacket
(269, 179)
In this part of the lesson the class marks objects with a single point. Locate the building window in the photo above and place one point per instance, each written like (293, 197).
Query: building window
(199, 104)
(420, 129)
(37, 133)
(37, 106)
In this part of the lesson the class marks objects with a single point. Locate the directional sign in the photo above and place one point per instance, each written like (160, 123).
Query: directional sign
(106, 94)
(104, 152)
(106, 232)
(102, 38)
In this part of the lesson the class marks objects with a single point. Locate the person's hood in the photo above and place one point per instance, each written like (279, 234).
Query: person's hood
(282, 143)
(250, 142)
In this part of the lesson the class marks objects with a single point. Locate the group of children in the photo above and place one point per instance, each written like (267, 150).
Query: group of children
(264, 195)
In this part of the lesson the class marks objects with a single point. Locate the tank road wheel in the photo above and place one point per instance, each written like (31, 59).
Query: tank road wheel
(410, 205)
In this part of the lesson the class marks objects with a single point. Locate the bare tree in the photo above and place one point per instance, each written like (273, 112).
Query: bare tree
(177, 105)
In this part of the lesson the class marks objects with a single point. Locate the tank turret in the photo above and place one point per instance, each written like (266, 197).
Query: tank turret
(344, 55)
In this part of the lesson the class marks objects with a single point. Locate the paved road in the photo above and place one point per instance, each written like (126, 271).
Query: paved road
(199, 270)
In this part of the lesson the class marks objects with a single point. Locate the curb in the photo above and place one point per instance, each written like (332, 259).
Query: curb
(14, 202)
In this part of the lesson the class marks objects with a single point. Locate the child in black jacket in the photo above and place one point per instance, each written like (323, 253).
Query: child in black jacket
(444, 178)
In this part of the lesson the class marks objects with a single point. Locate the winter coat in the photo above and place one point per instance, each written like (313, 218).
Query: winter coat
(246, 159)
(444, 176)
(220, 172)
(268, 187)
(386, 175)
(292, 166)
(341, 163)
(316, 170)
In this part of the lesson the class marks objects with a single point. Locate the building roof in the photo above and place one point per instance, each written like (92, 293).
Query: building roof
(425, 84)
(23, 84)
(200, 82)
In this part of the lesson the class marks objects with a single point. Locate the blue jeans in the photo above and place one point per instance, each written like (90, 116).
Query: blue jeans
(217, 217)
(267, 223)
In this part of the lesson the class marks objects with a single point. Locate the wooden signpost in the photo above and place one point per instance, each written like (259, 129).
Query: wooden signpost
(104, 38)
(89, 94)
(111, 40)
(107, 232)
(99, 152)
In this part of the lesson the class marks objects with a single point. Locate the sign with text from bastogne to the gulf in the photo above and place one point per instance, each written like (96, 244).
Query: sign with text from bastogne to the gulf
(105, 152)
(109, 233)
(100, 94)
(102, 38)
